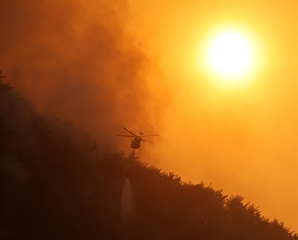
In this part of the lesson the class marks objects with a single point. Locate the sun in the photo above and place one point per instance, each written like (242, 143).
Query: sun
(229, 54)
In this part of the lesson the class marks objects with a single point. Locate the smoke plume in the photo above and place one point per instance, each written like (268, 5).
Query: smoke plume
(78, 61)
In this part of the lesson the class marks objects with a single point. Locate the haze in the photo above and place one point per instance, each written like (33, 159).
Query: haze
(104, 65)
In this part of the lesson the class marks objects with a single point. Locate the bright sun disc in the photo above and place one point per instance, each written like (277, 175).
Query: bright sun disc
(230, 57)
(229, 54)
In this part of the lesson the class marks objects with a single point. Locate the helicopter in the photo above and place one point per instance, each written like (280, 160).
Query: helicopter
(136, 142)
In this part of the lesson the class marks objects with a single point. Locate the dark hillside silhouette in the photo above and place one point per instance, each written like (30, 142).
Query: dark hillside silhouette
(56, 183)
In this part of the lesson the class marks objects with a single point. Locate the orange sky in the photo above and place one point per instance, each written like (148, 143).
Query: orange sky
(243, 141)
(134, 64)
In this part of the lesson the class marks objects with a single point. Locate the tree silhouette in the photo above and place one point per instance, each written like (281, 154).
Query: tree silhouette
(56, 185)
(1, 76)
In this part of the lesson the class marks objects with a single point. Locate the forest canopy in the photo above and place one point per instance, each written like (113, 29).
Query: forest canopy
(58, 183)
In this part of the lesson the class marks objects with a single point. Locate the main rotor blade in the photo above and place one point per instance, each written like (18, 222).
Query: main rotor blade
(124, 135)
(146, 141)
(129, 131)
(154, 135)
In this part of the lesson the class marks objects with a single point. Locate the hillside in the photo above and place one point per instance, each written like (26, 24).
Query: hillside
(57, 183)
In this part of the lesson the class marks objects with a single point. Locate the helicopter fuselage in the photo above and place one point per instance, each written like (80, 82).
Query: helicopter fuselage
(136, 143)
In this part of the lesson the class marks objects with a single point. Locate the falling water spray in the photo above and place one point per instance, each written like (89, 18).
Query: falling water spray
(128, 209)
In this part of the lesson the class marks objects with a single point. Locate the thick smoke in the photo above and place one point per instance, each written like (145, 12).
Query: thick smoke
(104, 65)
(76, 60)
